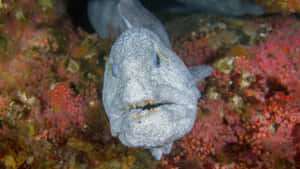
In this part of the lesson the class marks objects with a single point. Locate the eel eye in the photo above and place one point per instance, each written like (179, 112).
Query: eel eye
(114, 70)
(156, 59)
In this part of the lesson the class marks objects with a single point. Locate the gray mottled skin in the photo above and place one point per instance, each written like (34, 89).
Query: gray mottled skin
(133, 78)
(105, 18)
(221, 7)
(112, 17)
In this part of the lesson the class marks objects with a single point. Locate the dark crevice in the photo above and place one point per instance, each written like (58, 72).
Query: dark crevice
(77, 10)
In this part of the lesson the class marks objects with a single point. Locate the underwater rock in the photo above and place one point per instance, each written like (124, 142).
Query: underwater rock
(149, 95)
(112, 17)
(217, 7)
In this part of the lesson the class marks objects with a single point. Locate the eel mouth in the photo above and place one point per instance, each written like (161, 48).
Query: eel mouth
(147, 105)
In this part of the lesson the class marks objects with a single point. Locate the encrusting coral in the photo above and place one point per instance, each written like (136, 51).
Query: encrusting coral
(250, 110)
(50, 114)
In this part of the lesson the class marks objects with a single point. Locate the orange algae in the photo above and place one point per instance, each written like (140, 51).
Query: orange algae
(281, 6)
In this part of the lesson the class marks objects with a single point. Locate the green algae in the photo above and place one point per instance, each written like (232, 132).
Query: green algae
(225, 65)
(5, 44)
(46, 4)
(59, 39)
(80, 145)
(19, 15)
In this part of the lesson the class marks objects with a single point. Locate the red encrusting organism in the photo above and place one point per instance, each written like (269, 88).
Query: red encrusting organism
(64, 111)
(251, 119)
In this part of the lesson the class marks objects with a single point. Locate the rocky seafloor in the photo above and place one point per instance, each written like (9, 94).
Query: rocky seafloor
(51, 75)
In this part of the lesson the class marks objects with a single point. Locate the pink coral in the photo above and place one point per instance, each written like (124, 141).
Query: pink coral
(65, 111)
(275, 67)
(209, 135)
(261, 131)
(277, 59)
(193, 52)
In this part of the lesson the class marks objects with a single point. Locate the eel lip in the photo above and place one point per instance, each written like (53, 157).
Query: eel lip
(147, 105)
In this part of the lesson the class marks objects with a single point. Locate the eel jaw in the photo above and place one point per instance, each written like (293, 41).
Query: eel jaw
(146, 105)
